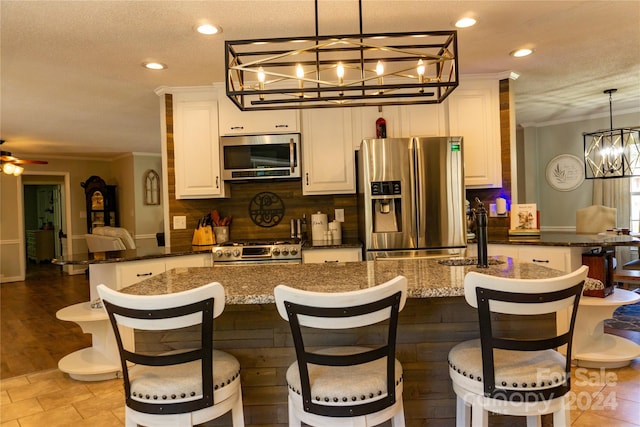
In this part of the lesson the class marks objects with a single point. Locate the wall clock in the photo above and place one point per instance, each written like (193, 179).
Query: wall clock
(565, 172)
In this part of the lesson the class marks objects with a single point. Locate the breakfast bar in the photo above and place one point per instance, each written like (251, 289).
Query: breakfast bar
(436, 317)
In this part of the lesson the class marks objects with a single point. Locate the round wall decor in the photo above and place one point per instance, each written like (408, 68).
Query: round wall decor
(266, 209)
(565, 172)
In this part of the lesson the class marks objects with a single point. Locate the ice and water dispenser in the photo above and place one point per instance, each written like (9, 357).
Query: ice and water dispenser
(386, 206)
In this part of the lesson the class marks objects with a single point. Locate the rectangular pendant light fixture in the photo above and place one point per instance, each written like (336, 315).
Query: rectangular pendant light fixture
(342, 70)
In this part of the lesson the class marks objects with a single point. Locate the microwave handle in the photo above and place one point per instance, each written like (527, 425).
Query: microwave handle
(292, 154)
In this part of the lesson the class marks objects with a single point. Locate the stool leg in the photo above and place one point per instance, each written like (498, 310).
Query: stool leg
(463, 413)
(535, 421)
(294, 421)
(562, 417)
(237, 411)
(479, 416)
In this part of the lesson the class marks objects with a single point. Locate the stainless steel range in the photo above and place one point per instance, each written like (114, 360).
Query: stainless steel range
(258, 252)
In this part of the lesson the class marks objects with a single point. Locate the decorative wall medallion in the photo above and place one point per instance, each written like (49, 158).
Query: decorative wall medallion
(565, 172)
(266, 209)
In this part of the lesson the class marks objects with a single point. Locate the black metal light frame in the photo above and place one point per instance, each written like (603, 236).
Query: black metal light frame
(320, 87)
(612, 153)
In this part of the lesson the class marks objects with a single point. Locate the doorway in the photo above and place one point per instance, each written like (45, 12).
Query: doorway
(45, 217)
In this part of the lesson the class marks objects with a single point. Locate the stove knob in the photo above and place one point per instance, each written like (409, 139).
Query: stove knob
(219, 253)
(275, 251)
(236, 253)
(293, 251)
(227, 253)
(285, 251)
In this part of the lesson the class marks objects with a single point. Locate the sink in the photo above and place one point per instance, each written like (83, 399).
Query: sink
(457, 262)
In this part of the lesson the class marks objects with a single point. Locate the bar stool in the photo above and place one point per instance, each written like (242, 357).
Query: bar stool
(184, 387)
(347, 384)
(512, 375)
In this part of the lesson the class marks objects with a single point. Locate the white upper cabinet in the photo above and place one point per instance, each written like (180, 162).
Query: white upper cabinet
(196, 147)
(328, 165)
(474, 114)
(233, 121)
(402, 121)
(422, 120)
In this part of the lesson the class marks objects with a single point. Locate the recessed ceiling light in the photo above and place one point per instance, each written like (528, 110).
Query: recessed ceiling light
(154, 66)
(465, 22)
(521, 52)
(208, 29)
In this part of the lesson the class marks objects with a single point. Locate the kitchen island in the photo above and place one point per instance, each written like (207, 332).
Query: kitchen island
(436, 317)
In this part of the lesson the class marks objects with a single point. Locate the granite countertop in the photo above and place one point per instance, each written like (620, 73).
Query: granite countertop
(554, 238)
(254, 284)
(130, 255)
(161, 252)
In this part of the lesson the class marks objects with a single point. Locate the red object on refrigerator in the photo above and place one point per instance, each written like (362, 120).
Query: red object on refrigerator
(381, 128)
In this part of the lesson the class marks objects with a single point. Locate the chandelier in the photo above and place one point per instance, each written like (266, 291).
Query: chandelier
(341, 70)
(613, 153)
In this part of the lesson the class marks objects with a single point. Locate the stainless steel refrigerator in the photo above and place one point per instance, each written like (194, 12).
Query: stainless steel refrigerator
(411, 197)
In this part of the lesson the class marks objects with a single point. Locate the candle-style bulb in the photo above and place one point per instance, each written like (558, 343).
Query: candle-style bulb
(340, 73)
(380, 72)
(421, 69)
(261, 78)
(300, 76)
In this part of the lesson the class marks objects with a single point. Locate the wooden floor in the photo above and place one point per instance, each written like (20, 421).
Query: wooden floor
(32, 339)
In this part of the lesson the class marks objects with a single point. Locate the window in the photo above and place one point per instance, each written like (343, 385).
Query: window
(634, 221)
(151, 188)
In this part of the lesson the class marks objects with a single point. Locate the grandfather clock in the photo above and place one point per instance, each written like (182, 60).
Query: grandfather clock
(101, 203)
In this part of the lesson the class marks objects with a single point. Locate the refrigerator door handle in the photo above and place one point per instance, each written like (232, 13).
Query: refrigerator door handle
(419, 202)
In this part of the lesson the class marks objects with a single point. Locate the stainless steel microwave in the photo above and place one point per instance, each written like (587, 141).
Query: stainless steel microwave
(246, 157)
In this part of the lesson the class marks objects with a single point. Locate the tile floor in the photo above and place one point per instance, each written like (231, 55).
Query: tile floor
(599, 398)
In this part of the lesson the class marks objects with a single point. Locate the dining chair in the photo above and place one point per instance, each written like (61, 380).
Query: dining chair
(514, 372)
(347, 383)
(181, 387)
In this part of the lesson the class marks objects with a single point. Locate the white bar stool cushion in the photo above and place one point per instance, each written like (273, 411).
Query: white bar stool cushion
(181, 383)
(345, 384)
(514, 370)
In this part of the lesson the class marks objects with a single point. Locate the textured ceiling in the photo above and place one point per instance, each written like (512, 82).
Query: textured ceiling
(73, 85)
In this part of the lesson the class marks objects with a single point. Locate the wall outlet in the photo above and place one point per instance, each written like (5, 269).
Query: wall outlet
(340, 215)
(179, 222)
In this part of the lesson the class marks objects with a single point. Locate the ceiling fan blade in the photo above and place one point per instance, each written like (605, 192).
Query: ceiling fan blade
(8, 158)
(29, 162)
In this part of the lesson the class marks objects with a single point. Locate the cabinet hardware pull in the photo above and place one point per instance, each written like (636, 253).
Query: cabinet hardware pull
(282, 126)
(328, 260)
(292, 155)
(307, 176)
(217, 182)
(143, 274)
(540, 260)
(237, 127)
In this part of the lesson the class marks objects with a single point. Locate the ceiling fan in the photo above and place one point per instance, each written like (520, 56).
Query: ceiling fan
(12, 165)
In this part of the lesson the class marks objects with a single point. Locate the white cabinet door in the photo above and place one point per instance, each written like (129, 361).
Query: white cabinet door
(422, 120)
(364, 122)
(474, 114)
(196, 146)
(132, 272)
(314, 256)
(196, 260)
(233, 121)
(565, 259)
(328, 157)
